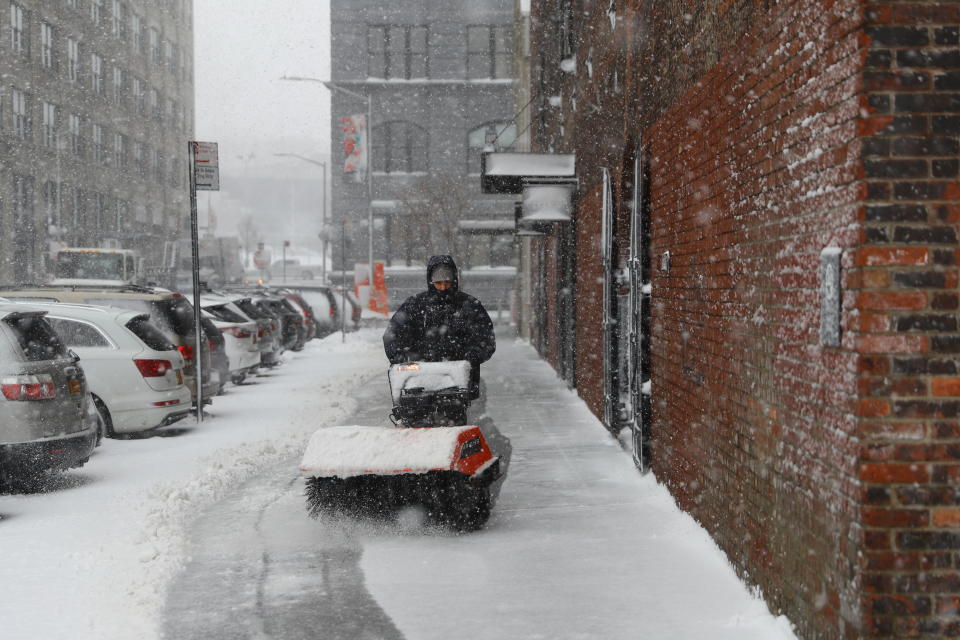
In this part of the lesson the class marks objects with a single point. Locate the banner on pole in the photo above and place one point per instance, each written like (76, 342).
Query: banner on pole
(354, 129)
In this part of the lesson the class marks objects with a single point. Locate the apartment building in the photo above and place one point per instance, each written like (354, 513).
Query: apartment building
(96, 107)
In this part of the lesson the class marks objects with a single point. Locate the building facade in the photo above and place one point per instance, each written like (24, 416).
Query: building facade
(96, 108)
(765, 255)
(439, 80)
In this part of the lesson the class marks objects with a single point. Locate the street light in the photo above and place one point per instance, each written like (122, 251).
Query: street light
(332, 86)
(323, 219)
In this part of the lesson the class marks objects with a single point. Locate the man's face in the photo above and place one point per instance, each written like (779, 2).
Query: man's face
(443, 285)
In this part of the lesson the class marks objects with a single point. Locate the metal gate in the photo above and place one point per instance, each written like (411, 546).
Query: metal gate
(639, 326)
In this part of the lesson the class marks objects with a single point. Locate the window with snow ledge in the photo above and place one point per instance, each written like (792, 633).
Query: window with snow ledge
(398, 52)
(399, 146)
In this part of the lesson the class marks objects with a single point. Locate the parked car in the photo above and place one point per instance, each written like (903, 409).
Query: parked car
(169, 311)
(241, 335)
(269, 329)
(47, 418)
(292, 269)
(326, 310)
(350, 300)
(134, 371)
(291, 321)
(219, 362)
(303, 307)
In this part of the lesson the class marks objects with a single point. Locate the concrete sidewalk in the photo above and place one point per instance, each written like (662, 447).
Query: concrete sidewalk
(580, 545)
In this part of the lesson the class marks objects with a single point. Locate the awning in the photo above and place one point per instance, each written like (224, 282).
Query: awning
(508, 172)
(546, 203)
(495, 227)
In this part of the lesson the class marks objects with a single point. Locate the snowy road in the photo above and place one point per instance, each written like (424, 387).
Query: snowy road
(579, 546)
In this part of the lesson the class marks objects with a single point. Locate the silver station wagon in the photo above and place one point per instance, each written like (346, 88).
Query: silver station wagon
(47, 421)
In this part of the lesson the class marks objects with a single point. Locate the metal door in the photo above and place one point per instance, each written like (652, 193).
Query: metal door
(639, 340)
(611, 395)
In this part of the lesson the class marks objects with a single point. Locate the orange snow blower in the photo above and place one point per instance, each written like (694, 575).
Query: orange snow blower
(427, 457)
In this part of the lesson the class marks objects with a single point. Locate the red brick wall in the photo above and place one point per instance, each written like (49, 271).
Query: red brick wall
(754, 170)
(589, 307)
(907, 326)
(775, 129)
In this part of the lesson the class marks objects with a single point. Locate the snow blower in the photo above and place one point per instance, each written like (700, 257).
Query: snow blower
(428, 456)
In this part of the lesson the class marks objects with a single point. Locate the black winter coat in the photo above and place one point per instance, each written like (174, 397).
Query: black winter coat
(440, 325)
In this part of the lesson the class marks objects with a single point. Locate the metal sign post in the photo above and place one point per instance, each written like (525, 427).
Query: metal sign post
(343, 271)
(205, 176)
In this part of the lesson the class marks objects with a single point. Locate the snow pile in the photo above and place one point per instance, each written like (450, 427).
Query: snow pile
(429, 376)
(346, 451)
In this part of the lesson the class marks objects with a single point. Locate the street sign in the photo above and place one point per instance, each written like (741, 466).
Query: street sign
(261, 259)
(206, 167)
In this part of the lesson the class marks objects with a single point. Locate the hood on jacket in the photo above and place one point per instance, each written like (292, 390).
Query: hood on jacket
(436, 261)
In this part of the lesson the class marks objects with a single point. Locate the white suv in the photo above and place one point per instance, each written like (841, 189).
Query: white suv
(135, 373)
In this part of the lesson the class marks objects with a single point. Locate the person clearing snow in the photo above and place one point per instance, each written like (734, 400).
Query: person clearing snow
(442, 323)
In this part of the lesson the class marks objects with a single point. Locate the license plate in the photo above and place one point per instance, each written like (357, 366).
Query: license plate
(75, 386)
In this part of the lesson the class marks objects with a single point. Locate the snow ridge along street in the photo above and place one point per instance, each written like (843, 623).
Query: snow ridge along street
(92, 558)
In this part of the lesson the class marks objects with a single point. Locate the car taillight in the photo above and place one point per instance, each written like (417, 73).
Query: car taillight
(38, 387)
(153, 368)
(332, 313)
(212, 345)
(237, 332)
(186, 351)
(259, 332)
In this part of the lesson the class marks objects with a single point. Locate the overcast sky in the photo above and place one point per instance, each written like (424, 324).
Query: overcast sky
(242, 49)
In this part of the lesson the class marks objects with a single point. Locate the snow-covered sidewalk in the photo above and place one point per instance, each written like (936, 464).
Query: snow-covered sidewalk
(579, 545)
(92, 559)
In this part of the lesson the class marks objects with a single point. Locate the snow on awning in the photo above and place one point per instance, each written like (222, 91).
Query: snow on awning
(546, 203)
(508, 172)
(487, 227)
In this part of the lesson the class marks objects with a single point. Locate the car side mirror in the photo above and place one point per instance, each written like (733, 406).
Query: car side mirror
(73, 355)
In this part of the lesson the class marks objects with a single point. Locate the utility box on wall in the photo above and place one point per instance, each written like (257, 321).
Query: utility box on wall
(830, 296)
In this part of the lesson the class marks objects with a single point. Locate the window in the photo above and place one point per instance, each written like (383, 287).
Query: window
(139, 158)
(120, 146)
(488, 51)
(96, 11)
(140, 95)
(155, 53)
(118, 20)
(399, 147)
(51, 203)
(74, 333)
(118, 85)
(158, 162)
(500, 136)
(22, 126)
(19, 38)
(99, 209)
(76, 140)
(78, 206)
(73, 60)
(123, 216)
(48, 117)
(156, 107)
(99, 153)
(397, 52)
(96, 73)
(46, 45)
(136, 34)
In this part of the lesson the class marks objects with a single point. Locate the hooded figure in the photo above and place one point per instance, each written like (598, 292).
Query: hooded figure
(442, 323)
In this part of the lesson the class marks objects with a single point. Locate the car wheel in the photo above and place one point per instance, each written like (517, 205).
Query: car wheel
(104, 423)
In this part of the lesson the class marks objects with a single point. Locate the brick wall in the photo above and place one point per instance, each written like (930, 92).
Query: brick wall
(906, 331)
(774, 129)
(754, 170)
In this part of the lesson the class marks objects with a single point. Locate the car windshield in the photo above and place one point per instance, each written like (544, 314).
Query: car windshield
(89, 266)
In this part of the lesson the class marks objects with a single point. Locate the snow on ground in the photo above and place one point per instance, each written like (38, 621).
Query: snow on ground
(93, 557)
